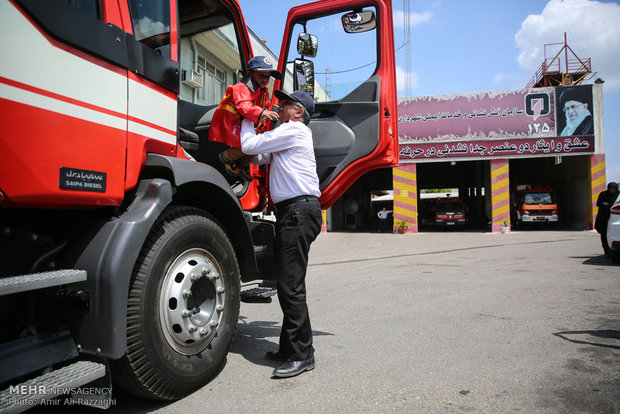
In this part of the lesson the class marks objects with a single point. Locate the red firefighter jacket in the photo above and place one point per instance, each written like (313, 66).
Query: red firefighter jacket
(244, 99)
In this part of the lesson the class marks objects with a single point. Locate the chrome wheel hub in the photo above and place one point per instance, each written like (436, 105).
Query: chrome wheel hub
(191, 301)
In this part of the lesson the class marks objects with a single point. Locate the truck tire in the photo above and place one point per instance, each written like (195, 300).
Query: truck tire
(614, 255)
(182, 308)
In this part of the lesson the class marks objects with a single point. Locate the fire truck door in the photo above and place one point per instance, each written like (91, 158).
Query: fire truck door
(343, 54)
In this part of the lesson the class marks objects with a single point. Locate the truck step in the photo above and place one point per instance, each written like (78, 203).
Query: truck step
(34, 281)
(19, 398)
(24, 356)
(258, 295)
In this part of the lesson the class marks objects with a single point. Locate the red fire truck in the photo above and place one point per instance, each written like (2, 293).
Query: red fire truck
(535, 205)
(123, 244)
(450, 212)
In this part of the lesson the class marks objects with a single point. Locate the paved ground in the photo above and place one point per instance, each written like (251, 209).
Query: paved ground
(436, 323)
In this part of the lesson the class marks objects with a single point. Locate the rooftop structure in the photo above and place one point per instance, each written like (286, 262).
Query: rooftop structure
(565, 68)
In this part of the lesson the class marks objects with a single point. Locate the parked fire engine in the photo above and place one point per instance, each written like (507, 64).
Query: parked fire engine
(450, 212)
(123, 244)
(534, 205)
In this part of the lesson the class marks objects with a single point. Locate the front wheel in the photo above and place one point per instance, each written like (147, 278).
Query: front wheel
(182, 309)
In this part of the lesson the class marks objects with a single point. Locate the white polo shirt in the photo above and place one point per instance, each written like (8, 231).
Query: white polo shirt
(290, 151)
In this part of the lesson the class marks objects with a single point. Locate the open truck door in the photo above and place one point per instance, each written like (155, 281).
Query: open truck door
(355, 121)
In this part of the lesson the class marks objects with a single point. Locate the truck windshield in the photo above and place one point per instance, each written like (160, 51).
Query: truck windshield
(450, 206)
(538, 198)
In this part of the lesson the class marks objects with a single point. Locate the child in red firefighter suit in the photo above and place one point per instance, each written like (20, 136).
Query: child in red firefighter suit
(247, 99)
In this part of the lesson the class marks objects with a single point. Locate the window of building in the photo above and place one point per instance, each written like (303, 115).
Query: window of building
(214, 82)
(211, 59)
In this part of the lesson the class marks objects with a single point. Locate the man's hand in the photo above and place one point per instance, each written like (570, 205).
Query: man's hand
(270, 115)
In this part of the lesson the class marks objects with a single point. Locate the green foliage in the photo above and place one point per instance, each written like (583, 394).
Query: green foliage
(402, 223)
(435, 190)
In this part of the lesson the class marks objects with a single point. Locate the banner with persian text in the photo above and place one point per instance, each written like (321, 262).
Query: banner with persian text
(497, 124)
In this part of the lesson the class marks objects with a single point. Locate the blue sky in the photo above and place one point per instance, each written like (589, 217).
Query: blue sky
(462, 46)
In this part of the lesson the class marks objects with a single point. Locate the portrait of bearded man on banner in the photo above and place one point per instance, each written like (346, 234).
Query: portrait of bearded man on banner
(576, 105)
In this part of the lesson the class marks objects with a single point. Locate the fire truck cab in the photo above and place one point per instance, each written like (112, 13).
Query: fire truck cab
(123, 244)
(535, 204)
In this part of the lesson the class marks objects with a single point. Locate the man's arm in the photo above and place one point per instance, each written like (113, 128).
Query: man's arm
(271, 141)
(600, 202)
(261, 159)
(248, 135)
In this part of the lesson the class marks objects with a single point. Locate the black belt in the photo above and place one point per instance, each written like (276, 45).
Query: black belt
(293, 200)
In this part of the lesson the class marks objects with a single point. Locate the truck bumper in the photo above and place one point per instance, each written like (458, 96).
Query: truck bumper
(540, 219)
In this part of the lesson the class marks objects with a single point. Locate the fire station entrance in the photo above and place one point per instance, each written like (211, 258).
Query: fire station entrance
(496, 153)
(463, 181)
(570, 178)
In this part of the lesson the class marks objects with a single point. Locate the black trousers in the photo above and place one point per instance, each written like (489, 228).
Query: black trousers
(297, 225)
(382, 224)
(604, 240)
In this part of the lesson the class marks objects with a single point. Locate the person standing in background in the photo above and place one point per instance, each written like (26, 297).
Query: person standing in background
(383, 218)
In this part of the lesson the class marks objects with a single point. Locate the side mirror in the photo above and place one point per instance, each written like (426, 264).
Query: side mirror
(303, 76)
(358, 22)
(307, 45)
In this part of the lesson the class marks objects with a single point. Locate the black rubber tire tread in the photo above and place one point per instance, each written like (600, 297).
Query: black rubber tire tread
(614, 255)
(148, 367)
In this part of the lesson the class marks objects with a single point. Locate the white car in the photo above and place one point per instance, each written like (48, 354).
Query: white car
(613, 231)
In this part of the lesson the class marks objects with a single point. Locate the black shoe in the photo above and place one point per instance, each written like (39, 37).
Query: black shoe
(292, 368)
(275, 356)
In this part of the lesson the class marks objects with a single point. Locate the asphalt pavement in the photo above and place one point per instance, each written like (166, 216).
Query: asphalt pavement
(441, 322)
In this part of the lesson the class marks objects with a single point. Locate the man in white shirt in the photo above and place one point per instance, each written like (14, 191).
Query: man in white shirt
(383, 215)
(294, 188)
